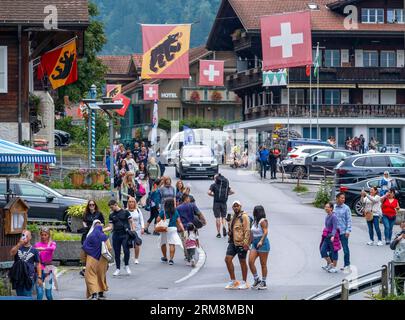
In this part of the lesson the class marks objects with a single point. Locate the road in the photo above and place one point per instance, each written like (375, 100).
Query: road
(294, 262)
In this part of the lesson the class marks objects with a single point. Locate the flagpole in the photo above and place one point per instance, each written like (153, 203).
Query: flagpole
(317, 99)
(288, 105)
(310, 102)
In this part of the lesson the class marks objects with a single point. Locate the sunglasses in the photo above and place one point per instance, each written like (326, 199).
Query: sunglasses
(92, 205)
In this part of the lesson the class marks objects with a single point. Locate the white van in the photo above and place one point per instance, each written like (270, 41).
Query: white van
(202, 136)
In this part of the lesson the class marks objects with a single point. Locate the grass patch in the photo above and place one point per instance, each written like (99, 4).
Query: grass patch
(300, 189)
(63, 236)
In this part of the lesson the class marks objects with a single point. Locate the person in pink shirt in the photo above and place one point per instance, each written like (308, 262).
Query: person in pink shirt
(46, 248)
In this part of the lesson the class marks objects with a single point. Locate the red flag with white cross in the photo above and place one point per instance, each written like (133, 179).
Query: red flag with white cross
(150, 92)
(286, 40)
(211, 73)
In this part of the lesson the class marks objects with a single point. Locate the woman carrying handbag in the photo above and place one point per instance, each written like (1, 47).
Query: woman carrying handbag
(170, 236)
(372, 213)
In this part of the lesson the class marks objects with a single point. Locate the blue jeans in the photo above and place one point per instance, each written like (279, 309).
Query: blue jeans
(263, 168)
(376, 224)
(327, 250)
(23, 292)
(388, 226)
(345, 245)
(40, 290)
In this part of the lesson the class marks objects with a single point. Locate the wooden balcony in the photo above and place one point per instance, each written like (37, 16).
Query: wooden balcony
(207, 96)
(328, 111)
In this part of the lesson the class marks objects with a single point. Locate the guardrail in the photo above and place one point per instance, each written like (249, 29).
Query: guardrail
(350, 287)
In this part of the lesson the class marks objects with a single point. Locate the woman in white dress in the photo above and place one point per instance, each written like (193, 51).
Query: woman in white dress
(137, 218)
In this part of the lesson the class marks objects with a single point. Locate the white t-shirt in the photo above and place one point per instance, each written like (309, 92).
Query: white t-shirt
(132, 166)
(137, 218)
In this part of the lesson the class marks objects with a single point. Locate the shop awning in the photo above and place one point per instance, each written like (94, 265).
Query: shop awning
(15, 153)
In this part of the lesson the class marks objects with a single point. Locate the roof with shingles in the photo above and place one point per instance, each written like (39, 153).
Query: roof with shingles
(117, 64)
(32, 11)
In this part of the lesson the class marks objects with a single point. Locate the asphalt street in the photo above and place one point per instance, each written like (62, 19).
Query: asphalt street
(294, 261)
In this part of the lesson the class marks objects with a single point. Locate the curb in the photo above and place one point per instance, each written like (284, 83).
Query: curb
(202, 257)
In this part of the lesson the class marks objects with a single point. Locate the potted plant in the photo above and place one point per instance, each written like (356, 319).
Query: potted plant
(75, 214)
(195, 97)
(98, 176)
(77, 176)
(216, 96)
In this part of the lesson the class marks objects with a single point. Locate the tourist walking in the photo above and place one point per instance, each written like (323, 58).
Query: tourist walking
(128, 188)
(220, 190)
(263, 158)
(362, 144)
(170, 237)
(344, 218)
(330, 242)
(398, 245)
(180, 189)
(192, 242)
(154, 205)
(96, 263)
(136, 152)
(260, 247)
(132, 166)
(153, 170)
(120, 221)
(390, 208)
(137, 218)
(121, 153)
(143, 156)
(46, 247)
(372, 213)
(167, 191)
(26, 270)
(238, 244)
(273, 158)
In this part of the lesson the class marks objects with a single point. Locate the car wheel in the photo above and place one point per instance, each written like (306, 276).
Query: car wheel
(58, 141)
(298, 171)
(358, 207)
(68, 221)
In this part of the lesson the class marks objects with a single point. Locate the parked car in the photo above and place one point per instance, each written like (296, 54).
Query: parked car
(196, 160)
(353, 190)
(365, 166)
(295, 161)
(293, 143)
(62, 138)
(45, 203)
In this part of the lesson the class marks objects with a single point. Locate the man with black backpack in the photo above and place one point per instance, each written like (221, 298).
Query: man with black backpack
(26, 263)
(220, 190)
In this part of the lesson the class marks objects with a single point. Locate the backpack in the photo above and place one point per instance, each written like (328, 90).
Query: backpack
(250, 219)
(222, 189)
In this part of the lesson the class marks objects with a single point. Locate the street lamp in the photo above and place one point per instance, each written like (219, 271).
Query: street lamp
(107, 105)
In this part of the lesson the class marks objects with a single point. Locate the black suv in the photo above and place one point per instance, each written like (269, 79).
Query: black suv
(45, 204)
(365, 166)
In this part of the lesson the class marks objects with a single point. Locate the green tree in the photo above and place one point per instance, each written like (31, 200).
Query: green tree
(90, 69)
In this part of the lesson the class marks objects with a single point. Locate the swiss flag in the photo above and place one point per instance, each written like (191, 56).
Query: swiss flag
(286, 40)
(211, 73)
(150, 92)
(125, 101)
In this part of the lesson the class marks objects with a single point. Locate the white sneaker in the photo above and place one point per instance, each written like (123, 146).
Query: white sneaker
(243, 285)
(347, 270)
(193, 263)
(136, 261)
(370, 243)
(327, 267)
(116, 272)
(379, 243)
(332, 270)
(128, 270)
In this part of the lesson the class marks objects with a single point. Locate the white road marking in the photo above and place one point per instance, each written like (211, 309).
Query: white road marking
(201, 261)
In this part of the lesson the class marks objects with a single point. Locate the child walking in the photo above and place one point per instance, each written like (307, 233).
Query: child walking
(192, 243)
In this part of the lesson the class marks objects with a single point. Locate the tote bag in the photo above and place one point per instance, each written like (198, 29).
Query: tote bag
(162, 225)
(105, 252)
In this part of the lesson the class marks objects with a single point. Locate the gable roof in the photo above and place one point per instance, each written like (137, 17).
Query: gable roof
(198, 53)
(117, 64)
(30, 12)
(137, 58)
(324, 19)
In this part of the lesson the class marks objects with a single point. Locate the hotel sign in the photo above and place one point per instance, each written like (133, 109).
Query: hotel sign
(168, 95)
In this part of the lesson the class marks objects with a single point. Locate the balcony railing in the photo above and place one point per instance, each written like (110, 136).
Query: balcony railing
(208, 96)
(328, 111)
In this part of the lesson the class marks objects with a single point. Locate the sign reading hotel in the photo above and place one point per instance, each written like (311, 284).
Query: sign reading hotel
(286, 40)
(165, 51)
(211, 73)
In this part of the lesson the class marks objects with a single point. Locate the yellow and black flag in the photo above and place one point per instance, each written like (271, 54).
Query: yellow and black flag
(113, 90)
(60, 65)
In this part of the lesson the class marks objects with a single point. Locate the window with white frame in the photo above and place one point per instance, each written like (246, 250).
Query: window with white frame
(372, 15)
(370, 58)
(395, 16)
(332, 96)
(332, 58)
(388, 59)
(3, 69)
(297, 96)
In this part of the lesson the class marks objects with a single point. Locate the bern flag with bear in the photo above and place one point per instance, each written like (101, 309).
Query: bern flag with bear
(165, 51)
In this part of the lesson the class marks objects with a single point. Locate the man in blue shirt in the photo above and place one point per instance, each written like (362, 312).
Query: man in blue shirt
(344, 217)
(263, 158)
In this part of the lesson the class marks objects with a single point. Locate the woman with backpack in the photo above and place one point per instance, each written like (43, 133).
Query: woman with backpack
(170, 237)
(260, 247)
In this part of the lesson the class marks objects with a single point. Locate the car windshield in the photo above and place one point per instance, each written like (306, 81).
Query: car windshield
(49, 190)
(197, 152)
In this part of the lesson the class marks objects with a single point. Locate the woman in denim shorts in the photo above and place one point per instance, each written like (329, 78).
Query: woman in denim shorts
(260, 247)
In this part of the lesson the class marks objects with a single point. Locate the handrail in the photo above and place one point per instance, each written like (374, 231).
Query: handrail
(353, 288)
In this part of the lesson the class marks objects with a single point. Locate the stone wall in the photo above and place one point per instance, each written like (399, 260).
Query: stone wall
(85, 194)
(9, 131)
(47, 112)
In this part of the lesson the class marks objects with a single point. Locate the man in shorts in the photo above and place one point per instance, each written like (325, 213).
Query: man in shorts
(220, 190)
(239, 241)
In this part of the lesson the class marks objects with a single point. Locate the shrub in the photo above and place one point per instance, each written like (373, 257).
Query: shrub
(63, 236)
(5, 288)
(323, 195)
(56, 185)
(77, 210)
(301, 189)
(33, 228)
(97, 186)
